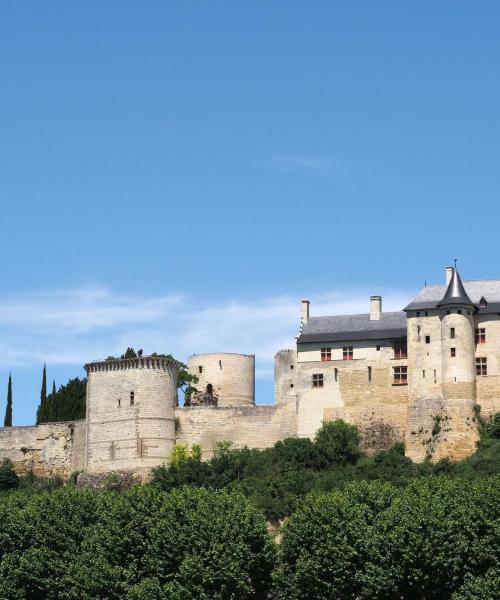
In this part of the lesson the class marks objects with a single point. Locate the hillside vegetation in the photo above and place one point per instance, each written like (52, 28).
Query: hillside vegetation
(356, 527)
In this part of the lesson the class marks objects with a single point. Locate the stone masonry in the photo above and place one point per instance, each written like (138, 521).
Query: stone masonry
(423, 376)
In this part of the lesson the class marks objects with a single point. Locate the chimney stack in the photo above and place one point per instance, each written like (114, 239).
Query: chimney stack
(449, 274)
(375, 308)
(304, 313)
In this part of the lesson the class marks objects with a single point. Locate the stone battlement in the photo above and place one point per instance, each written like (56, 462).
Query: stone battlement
(143, 362)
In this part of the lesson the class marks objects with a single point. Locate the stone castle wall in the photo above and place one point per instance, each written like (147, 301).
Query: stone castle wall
(360, 391)
(49, 449)
(258, 426)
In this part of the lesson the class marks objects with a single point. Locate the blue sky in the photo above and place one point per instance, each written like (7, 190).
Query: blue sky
(177, 175)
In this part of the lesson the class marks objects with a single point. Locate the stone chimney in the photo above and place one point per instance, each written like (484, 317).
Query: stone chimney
(449, 274)
(375, 308)
(304, 312)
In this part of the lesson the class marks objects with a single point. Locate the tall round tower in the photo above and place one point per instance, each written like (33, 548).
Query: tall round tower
(130, 413)
(224, 378)
(457, 342)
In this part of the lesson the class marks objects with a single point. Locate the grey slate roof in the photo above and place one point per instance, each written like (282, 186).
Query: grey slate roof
(455, 293)
(353, 327)
(431, 296)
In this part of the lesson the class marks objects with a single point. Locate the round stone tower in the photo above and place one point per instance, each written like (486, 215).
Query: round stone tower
(130, 413)
(225, 379)
(457, 342)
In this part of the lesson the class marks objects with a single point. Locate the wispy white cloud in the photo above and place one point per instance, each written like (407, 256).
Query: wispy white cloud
(71, 327)
(317, 165)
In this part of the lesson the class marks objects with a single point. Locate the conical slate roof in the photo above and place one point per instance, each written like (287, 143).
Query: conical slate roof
(455, 294)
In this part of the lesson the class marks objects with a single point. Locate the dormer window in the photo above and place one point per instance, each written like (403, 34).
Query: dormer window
(483, 302)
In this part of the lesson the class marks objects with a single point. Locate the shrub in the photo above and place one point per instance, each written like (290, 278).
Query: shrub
(8, 477)
(338, 443)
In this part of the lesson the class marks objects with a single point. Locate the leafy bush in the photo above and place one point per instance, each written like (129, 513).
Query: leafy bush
(8, 477)
(338, 443)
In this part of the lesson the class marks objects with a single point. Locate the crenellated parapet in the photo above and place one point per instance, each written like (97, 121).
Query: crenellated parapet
(122, 364)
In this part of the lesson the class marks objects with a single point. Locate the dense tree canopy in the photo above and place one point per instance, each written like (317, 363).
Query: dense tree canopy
(65, 404)
(375, 541)
(190, 543)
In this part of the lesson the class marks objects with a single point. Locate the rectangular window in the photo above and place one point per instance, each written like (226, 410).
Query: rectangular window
(200, 369)
(369, 373)
(317, 380)
(347, 353)
(132, 398)
(481, 367)
(427, 339)
(400, 375)
(378, 348)
(480, 336)
(326, 354)
(423, 374)
(452, 333)
(453, 352)
(400, 349)
(336, 373)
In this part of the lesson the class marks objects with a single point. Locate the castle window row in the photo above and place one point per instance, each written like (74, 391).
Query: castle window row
(399, 347)
(400, 376)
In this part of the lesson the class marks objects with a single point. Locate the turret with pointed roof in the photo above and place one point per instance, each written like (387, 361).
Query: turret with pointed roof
(455, 293)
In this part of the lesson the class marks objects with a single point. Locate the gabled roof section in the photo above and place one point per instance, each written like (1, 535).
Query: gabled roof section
(353, 327)
(455, 294)
(430, 297)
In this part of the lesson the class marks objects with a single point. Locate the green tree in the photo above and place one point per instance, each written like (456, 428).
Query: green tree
(42, 407)
(338, 443)
(7, 422)
(484, 587)
(8, 477)
(67, 403)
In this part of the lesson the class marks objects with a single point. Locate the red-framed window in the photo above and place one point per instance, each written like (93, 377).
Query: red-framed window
(347, 353)
(400, 349)
(481, 366)
(481, 336)
(400, 375)
(326, 354)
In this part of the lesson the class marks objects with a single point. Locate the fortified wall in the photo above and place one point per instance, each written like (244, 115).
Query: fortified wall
(422, 376)
(50, 449)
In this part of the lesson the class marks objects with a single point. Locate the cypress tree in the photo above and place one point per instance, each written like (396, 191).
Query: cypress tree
(42, 411)
(8, 410)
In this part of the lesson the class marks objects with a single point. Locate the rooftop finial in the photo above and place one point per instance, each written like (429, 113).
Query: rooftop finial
(455, 261)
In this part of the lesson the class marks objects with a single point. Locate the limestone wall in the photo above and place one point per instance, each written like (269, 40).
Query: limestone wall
(256, 427)
(360, 391)
(488, 388)
(49, 449)
(285, 369)
(231, 376)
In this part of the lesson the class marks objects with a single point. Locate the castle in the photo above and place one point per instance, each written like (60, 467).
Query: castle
(422, 376)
